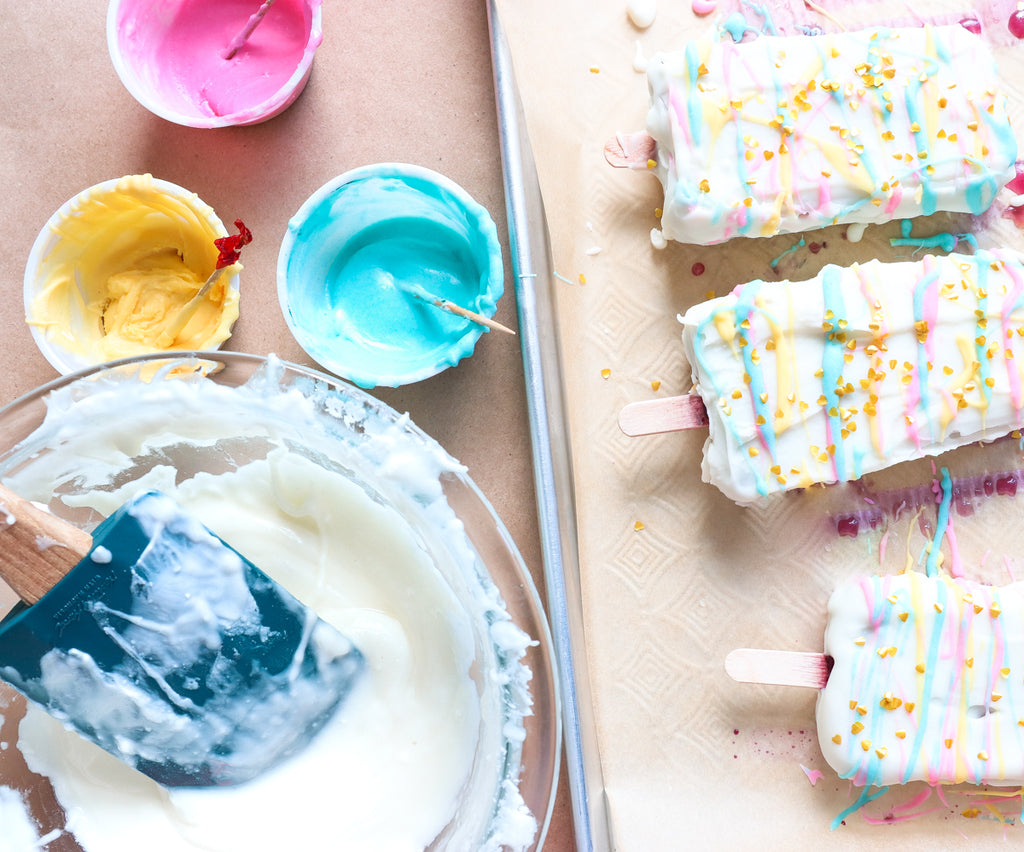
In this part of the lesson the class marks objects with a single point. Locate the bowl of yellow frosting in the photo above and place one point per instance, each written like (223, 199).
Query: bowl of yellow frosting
(111, 272)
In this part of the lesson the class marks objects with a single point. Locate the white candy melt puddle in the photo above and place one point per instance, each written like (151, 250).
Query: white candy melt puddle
(444, 691)
(18, 832)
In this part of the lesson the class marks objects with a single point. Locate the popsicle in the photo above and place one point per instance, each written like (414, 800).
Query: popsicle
(927, 681)
(857, 369)
(920, 681)
(156, 641)
(786, 134)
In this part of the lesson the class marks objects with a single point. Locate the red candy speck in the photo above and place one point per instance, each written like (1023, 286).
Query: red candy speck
(1016, 24)
(697, 268)
(972, 24)
(848, 527)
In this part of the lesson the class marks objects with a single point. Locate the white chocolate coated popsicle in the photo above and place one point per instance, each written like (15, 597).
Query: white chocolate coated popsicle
(927, 682)
(787, 134)
(859, 368)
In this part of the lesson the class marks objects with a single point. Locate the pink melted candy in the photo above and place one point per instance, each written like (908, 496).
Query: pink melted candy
(176, 51)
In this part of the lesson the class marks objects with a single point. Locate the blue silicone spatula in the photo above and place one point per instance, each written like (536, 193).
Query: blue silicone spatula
(161, 644)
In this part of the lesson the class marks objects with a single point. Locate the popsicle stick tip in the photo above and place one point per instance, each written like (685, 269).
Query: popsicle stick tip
(778, 668)
(630, 150)
(666, 414)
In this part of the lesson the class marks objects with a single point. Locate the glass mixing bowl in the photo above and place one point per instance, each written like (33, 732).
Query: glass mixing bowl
(275, 404)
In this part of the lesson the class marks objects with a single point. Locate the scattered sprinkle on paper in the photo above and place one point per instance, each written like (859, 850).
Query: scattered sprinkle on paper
(813, 775)
(639, 525)
(606, 373)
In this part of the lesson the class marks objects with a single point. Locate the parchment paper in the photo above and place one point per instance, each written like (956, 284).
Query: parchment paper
(674, 575)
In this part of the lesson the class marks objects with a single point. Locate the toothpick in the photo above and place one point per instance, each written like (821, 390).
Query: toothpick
(250, 25)
(171, 332)
(458, 310)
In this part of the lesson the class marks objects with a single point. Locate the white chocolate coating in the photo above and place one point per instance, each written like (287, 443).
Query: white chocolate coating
(857, 369)
(927, 681)
(786, 134)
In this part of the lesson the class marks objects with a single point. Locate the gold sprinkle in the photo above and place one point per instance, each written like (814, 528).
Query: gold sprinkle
(639, 525)
(853, 704)
(972, 125)
(969, 662)
(655, 384)
(881, 752)
(704, 185)
(996, 696)
(903, 616)
(606, 373)
(837, 739)
(866, 745)
(948, 742)
(1005, 671)
(908, 706)
(890, 701)
(982, 755)
(970, 813)
(919, 668)
(753, 451)
(859, 641)
(938, 607)
(594, 69)
(857, 727)
(900, 734)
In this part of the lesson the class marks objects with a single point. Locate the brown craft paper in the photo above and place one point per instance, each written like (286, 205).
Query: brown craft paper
(398, 81)
(674, 575)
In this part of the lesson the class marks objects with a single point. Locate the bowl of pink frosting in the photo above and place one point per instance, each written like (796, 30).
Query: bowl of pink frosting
(203, 64)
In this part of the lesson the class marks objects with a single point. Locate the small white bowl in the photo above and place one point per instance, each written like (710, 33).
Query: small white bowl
(363, 260)
(170, 56)
(105, 230)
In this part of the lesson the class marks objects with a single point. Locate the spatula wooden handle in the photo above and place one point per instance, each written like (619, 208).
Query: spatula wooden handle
(36, 548)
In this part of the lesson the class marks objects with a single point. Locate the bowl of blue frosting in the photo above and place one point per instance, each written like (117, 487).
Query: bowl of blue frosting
(368, 260)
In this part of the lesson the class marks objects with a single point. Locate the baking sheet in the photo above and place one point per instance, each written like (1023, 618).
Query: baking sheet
(673, 575)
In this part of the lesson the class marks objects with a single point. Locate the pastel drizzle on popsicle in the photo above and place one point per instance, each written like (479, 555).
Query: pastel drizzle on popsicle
(858, 368)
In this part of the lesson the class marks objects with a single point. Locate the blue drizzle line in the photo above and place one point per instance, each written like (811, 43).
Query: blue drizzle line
(862, 800)
(775, 263)
(941, 523)
(945, 241)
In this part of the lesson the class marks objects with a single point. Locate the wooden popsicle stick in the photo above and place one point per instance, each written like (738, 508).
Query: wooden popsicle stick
(36, 548)
(779, 668)
(630, 150)
(668, 414)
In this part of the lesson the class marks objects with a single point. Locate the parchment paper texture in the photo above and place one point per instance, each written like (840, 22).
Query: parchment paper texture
(674, 575)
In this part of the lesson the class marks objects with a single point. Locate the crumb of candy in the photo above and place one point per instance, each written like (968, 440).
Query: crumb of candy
(639, 525)
(698, 268)
(606, 373)
(655, 384)
(971, 24)
(1016, 23)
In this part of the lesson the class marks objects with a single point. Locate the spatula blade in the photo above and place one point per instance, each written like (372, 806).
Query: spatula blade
(170, 650)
